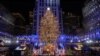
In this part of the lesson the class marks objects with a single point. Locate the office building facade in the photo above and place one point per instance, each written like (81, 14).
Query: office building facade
(41, 7)
(91, 14)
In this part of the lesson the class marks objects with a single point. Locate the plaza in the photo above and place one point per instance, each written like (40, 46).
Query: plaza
(49, 31)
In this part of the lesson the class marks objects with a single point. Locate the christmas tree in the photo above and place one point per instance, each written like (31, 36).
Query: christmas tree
(49, 27)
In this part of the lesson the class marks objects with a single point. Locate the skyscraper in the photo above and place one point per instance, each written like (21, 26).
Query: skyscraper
(41, 7)
(6, 20)
(91, 21)
(91, 14)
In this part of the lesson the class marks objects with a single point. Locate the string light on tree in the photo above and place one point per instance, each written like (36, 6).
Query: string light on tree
(49, 27)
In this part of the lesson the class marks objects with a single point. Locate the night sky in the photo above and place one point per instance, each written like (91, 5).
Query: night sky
(23, 6)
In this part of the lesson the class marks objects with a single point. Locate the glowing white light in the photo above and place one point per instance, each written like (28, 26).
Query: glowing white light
(71, 41)
(8, 41)
(17, 41)
(48, 8)
(87, 38)
(79, 41)
(89, 41)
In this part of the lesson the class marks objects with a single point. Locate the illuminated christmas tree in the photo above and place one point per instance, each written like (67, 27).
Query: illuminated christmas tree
(49, 27)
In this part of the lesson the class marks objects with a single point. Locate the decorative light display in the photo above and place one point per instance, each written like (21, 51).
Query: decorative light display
(89, 41)
(49, 27)
(49, 48)
(63, 38)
